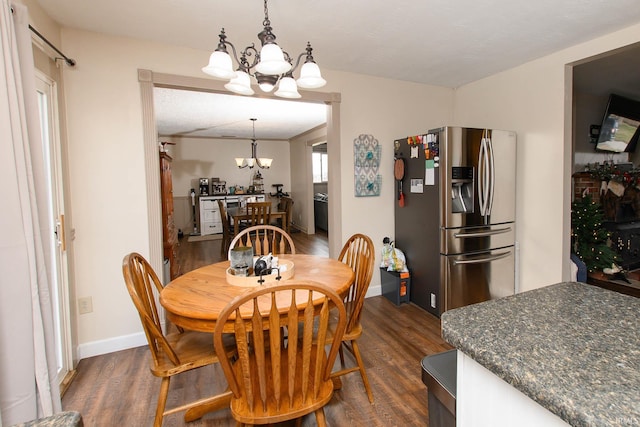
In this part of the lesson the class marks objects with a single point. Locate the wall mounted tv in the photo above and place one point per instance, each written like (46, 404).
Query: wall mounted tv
(620, 125)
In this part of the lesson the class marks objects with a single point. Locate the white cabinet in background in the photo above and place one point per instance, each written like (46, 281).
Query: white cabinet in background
(210, 221)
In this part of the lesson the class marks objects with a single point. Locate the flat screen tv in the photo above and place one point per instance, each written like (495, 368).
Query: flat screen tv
(619, 130)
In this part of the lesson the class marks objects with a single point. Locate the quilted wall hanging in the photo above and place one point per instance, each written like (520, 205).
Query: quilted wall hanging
(366, 152)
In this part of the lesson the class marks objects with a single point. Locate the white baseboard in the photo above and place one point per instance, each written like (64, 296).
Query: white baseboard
(97, 348)
(374, 291)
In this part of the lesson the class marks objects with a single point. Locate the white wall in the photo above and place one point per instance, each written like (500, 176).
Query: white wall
(535, 101)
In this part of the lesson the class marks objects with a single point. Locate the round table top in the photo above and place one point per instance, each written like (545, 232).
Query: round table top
(195, 299)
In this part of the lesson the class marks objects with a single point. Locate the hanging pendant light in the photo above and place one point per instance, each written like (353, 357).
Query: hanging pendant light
(270, 65)
(250, 162)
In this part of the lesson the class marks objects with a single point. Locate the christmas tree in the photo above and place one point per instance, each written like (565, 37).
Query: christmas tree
(589, 237)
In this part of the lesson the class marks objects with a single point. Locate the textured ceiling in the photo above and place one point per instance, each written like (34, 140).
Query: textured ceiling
(440, 42)
(202, 114)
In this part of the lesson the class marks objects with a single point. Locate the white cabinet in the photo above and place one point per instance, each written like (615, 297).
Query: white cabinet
(484, 399)
(210, 221)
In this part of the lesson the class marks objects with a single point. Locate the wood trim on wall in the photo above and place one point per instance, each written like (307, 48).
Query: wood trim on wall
(152, 171)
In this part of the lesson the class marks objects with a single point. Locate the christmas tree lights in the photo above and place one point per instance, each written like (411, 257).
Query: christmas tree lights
(589, 237)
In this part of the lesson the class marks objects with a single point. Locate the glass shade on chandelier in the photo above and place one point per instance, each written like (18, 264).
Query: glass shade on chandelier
(272, 60)
(240, 84)
(287, 88)
(310, 77)
(220, 66)
(262, 163)
(271, 66)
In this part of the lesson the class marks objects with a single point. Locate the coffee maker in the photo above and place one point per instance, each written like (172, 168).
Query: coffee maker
(204, 186)
(218, 187)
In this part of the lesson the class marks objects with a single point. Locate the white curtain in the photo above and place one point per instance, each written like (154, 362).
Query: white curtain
(28, 385)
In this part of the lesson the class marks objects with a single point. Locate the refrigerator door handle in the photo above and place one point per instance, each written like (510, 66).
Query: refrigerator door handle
(492, 175)
(481, 199)
(482, 260)
(482, 233)
(484, 176)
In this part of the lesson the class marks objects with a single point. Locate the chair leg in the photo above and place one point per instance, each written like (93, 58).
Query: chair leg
(320, 419)
(162, 401)
(224, 246)
(341, 355)
(363, 374)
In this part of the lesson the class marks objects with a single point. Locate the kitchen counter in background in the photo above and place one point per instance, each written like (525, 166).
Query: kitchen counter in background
(571, 347)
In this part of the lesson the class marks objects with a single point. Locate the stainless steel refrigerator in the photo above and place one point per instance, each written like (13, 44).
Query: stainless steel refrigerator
(455, 215)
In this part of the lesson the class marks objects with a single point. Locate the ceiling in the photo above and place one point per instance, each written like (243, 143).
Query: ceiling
(439, 42)
(203, 114)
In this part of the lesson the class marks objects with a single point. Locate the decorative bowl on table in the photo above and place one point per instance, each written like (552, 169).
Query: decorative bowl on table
(285, 270)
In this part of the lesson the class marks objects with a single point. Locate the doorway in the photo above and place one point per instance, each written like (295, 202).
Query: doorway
(320, 166)
(148, 80)
(593, 80)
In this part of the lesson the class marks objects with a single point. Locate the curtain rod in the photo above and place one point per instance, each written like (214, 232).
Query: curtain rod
(70, 61)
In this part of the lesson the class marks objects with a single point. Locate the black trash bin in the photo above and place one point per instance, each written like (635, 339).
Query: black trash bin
(439, 375)
(396, 285)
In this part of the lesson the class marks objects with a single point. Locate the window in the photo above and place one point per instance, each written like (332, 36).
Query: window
(320, 162)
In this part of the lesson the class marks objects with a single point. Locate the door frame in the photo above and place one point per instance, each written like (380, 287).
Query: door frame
(149, 79)
(60, 262)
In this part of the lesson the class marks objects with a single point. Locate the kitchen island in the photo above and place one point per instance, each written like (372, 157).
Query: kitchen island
(566, 354)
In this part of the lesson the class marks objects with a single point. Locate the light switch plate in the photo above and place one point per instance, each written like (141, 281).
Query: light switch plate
(85, 305)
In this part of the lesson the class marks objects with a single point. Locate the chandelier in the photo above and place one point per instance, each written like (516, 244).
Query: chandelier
(270, 66)
(250, 162)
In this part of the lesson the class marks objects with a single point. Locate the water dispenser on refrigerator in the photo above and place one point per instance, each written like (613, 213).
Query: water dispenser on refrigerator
(462, 184)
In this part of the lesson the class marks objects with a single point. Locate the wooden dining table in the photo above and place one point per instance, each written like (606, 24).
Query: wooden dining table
(240, 214)
(195, 299)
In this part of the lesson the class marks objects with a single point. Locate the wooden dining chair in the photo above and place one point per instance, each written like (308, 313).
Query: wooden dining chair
(259, 213)
(171, 353)
(227, 231)
(276, 379)
(357, 253)
(264, 239)
(286, 205)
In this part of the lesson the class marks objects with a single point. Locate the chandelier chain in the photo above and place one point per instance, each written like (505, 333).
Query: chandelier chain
(266, 13)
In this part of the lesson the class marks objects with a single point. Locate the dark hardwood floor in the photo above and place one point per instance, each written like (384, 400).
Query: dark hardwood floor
(117, 389)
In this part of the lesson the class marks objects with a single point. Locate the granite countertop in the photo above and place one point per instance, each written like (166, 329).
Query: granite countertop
(572, 347)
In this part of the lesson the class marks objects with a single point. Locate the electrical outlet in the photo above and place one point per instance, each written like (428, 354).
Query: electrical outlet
(433, 300)
(85, 305)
